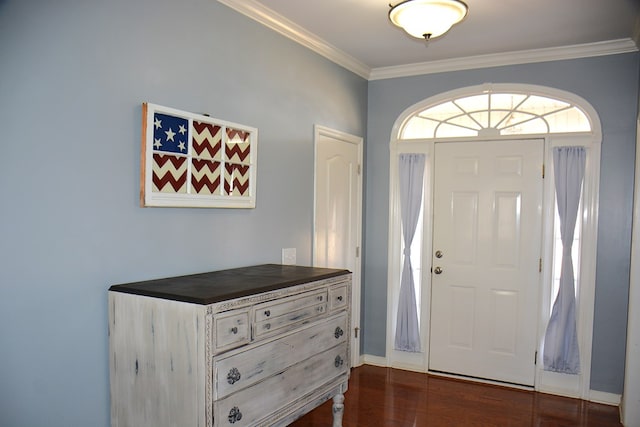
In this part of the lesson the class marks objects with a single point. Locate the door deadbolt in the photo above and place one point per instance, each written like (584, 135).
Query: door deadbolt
(439, 254)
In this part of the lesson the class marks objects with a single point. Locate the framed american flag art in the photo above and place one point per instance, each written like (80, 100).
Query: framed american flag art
(193, 160)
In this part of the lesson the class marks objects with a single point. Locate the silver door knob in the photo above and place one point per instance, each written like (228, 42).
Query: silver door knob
(439, 254)
(437, 270)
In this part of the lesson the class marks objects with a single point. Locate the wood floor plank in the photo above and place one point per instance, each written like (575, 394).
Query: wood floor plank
(385, 397)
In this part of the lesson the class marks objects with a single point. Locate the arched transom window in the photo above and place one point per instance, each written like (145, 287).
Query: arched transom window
(495, 113)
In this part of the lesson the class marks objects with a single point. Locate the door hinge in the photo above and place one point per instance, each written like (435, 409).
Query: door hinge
(356, 330)
(359, 169)
(540, 265)
(535, 358)
(357, 251)
(543, 171)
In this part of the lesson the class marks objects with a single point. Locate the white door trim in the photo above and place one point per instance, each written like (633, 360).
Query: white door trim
(630, 407)
(319, 131)
(575, 386)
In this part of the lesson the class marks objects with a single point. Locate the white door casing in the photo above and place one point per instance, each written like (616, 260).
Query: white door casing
(630, 405)
(486, 244)
(591, 139)
(337, 212)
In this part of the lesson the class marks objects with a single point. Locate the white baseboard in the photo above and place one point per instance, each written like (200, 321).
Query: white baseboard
(368, 359)
(605, 398)
(594, 395)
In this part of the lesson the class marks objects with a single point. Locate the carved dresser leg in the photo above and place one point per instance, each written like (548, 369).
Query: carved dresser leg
(338, 409)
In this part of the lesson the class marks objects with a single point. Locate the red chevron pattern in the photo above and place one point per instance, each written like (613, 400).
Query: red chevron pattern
(195, 160)
(236, 180)
(205, 176)
(206, 139)
(169, 173)
(237, 135)
(236, 152)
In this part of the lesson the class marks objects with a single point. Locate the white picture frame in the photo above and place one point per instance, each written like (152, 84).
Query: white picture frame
(193, 160)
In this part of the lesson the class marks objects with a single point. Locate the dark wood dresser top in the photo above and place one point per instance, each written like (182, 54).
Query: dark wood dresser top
(217, 286)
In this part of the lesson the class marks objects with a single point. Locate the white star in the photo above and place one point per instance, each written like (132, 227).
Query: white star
(182, 130)
(157, 143)
(158, 123)
(170, 134)
(181, 145)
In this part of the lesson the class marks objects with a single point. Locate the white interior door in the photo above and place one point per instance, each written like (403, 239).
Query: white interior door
(337, 213)
(486, 253)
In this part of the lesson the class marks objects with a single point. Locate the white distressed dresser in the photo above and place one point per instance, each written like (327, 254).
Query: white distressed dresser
(252, 346)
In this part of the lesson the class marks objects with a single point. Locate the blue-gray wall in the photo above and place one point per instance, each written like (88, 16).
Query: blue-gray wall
(610, 84)
(73, 75)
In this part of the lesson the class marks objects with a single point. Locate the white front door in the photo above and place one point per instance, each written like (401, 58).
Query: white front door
(337, 218)
(486, 252)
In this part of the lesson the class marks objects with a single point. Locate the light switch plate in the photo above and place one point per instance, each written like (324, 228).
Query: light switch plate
(289, 256)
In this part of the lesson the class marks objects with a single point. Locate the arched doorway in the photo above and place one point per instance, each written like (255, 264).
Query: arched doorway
(497, 113)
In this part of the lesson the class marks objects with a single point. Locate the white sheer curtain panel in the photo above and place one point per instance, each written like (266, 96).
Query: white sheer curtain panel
(561, 353)
(411, 172)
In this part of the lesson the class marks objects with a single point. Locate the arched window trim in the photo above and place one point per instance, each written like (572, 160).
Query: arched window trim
(577, 386)
(569, 98)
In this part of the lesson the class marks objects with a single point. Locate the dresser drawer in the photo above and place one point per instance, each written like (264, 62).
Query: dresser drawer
(285, 314)
(248, 406)
(271, 309)
(239, 369)
(289, 321)
(231, 329)
(338, 297)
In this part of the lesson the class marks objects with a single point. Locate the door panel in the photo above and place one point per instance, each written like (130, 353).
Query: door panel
(506, 229)
(464, 218)
(335, 205)
(487, 227)
(337, 223)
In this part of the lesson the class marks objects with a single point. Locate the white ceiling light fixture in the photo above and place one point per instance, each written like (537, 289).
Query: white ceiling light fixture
(426, 19)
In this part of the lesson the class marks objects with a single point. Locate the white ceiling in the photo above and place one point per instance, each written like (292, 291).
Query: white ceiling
(358, 35)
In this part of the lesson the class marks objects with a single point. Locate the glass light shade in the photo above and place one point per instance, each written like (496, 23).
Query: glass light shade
(427, 18)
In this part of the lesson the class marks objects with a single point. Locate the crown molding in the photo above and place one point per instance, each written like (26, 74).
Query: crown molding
(287, 28)
(611, 47)
(267, 17)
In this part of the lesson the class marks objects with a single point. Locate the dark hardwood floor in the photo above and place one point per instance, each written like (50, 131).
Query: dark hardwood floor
(394, 398)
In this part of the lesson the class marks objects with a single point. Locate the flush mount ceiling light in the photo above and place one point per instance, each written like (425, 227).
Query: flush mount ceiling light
(426, 19)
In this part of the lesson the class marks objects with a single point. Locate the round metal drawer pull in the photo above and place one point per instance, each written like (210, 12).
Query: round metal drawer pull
(235, 415)
(338, 333)
(234, 330)
(340, 298)
(319, 297)
(267, 313)
(267, 326)
(338, 362)
(233, 376)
